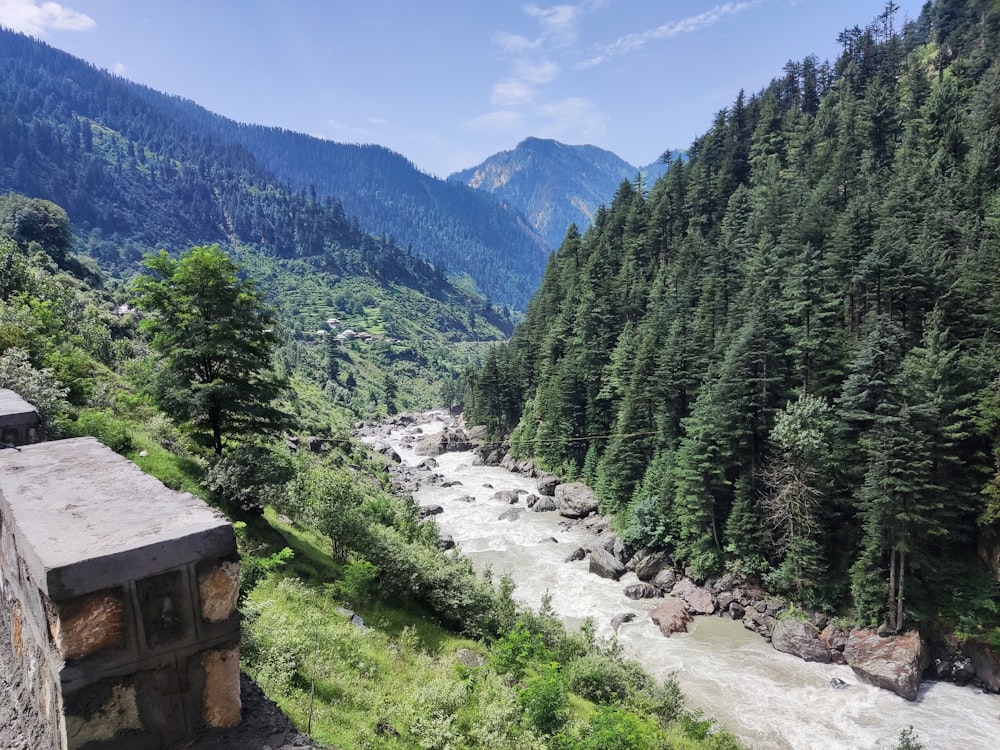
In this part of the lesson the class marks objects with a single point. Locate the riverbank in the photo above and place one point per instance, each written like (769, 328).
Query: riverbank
(449, 480)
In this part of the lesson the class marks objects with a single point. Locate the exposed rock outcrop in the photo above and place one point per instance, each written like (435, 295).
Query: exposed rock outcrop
(575, 500)
(641, 591)
(671, 616)
(698, 600)
(895, 662)
(799, 639)
(606, 565)
(546, 485)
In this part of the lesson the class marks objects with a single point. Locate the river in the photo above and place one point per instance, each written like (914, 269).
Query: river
(769, 699)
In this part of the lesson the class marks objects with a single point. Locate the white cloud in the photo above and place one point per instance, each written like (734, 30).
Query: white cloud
(625, 44)
(574, 119)
(558, 22)
(511, 93)
(377, 121)
(119, 69)
(536, 73)
(499, 121)
(514, 43)
(34, 18)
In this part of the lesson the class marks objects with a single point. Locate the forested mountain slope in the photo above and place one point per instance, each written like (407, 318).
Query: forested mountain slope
(553, 184)
(784, 359)
(134, 176)
(158, 170)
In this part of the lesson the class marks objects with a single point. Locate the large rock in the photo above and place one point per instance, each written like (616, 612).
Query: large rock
(648, 566)
(544, 504)
(621, 618)
(449, 439)
(641, 591)
(546, 485)
(606, 565)
(506, 496)
(665, 580)
(575, 500)
(698, 600)
(383, 448)
(426, 511)
(896, 662)
(578, 554)
(671, 616)
(986, 662)
(799, 639)
(511, 514)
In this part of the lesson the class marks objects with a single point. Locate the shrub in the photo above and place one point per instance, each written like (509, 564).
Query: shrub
(114, 433)
(545, 699)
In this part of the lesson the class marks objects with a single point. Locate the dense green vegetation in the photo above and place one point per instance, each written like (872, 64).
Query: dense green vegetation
(783, 358)
(317, 529)
(138, 170)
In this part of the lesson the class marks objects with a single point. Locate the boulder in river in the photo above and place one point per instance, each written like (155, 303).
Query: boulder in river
(575, 500)
(546, 484)
(665, 580)
(449, 439)
(511, 514)
(543, 504)
(384, 449)
(620, 619)
(896, 662)
(446, 542)
(698, 600)
(649, 565)
(606, 565)
(986, 663)
(578, 554)
(800, 639)
(426, 511)
(641, 591)
(505, 496)
(671, 616)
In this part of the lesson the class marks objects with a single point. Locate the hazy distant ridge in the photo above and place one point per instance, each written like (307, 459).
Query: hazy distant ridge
(554, 184)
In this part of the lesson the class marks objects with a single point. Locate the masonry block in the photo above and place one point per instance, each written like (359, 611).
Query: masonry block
(120, 622)
(219, 590)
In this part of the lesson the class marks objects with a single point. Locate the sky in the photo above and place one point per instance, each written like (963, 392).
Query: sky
(447, 83)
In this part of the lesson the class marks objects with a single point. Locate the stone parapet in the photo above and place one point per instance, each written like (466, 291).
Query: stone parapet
(119, 616)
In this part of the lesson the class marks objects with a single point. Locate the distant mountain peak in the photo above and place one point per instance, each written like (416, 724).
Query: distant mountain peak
(554, 184)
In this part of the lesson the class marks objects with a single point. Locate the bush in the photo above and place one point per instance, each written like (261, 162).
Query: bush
(612, 728)
(114, 433)
(545, 699)
(249, 477)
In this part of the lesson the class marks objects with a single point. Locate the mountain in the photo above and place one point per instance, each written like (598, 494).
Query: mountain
(553, 184)
(135, 171)
(159, 170)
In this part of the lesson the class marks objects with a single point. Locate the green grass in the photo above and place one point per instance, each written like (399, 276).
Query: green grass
(177, 472)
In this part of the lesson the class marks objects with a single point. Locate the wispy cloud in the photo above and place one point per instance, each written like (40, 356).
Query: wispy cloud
(119, 69)
(517, 99)
(32, 17)
(559, 23)
(500, 121)
(631, 42)
(573, 118)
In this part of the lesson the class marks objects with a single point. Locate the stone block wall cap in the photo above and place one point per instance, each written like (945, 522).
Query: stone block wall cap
(88, 518)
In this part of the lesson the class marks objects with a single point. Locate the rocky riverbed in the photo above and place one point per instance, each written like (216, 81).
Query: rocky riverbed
(897, 662)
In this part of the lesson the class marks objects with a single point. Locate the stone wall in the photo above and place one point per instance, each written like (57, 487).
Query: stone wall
(119, 625)
(19, 421)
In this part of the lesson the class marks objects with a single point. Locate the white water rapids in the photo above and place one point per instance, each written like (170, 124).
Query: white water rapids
(767, 698)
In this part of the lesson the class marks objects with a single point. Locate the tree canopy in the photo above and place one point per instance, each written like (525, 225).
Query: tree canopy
(215, 336)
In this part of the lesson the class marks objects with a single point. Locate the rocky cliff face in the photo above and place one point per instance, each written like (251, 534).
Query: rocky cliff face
(553, 184)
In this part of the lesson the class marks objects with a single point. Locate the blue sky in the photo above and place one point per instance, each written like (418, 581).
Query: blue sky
(449, 82)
